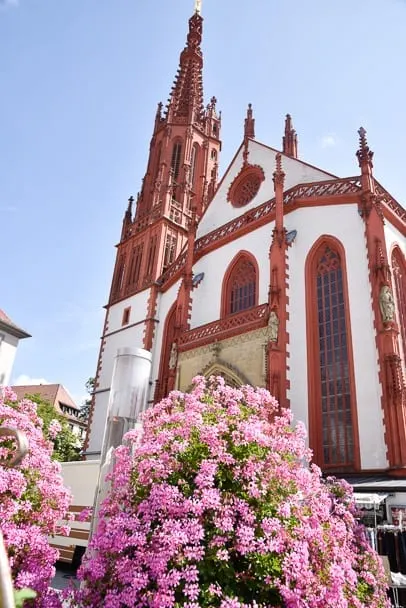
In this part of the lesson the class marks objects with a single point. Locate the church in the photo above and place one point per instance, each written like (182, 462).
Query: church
(278, 275)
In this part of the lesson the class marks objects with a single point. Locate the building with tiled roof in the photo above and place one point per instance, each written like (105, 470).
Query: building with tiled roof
(10, 335)
(59, 398)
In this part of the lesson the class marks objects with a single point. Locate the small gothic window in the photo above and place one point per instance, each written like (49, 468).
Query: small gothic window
(135, 267)
(119, 278)
(126, 316)
(170, 249)
(399, 280)
(151, 257)
(241, 286)
(176, 155)
(336, 432)
(213, 154)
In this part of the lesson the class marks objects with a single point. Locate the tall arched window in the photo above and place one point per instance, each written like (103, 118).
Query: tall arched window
(399, 284)
(332, 401)
(167, 341)
(119, 277)
(240, 286)
(157, 160)
(176, 158)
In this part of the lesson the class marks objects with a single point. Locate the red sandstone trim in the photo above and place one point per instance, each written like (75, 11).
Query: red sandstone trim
(386, 339)
(150, 322)
(330, 192)
(232, 325)
(161, 386)
(96, 383)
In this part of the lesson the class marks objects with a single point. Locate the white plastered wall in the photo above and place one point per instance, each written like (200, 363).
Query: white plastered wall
(220, 211)
(116, 337)
(394, 237)
(344, 223)
(8, 350)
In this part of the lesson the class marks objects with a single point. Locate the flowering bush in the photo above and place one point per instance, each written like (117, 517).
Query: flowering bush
(216, 505)
(32, 500)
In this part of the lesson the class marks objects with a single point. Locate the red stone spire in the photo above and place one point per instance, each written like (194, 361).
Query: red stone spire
(186, 99)
(290, 138)
(277, 323)
(181, 176)
(279, 180)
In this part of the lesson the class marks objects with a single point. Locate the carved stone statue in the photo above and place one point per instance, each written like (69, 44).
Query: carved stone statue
(387, 304)
(173, 359)
(273, 326)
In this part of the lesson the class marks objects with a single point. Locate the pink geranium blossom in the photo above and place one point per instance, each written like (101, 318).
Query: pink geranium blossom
(32, 501)
(54, 429)
(217, 505)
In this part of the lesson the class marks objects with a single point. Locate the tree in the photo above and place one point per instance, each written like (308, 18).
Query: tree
(85, 409)
(215, 504)
(33, 500)
(67, 446)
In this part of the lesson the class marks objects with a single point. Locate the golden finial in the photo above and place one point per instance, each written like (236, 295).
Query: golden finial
(198, 7)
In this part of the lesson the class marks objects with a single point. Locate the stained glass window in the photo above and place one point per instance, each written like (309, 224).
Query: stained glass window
(242, 286)
(399, 280)
(337, 432)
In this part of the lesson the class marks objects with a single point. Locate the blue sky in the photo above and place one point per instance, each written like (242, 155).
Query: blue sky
(79, 84)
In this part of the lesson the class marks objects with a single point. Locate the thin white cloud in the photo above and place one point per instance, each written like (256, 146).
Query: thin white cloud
(8, 208)
(328, 141)
(24, 380)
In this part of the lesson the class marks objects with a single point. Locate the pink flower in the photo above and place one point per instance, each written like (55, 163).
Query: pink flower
(217, 504)
(54, 429)
(32, 501)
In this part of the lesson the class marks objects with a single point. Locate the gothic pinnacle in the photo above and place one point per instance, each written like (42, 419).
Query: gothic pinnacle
(249, 124)
(364, 154)
(289, 141)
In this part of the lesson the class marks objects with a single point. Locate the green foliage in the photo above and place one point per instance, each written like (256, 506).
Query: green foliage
(85, 409)
(66, 445)
(22, 595)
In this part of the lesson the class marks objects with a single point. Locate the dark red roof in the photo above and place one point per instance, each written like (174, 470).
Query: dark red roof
(8, 325)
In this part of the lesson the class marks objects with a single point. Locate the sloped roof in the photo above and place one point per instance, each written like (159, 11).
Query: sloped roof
(47, 392)
(7, 325)
(55, 394)
(220, 211)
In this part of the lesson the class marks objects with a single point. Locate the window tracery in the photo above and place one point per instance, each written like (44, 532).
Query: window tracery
(399, 281)
(332, 396)
(240, 286)
(246, 186)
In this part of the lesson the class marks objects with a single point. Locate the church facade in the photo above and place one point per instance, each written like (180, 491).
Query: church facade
(279, 275)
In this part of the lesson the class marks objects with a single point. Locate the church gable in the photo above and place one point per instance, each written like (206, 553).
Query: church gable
(248, 182)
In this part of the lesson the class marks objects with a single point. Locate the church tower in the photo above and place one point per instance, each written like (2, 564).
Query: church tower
(180, 181)
(181, 176)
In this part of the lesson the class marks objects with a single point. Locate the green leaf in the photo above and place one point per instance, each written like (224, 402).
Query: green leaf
(21, 595)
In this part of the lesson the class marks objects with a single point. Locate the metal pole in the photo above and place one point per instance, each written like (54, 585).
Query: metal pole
(128, 399)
